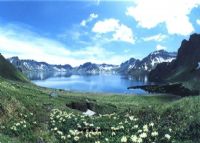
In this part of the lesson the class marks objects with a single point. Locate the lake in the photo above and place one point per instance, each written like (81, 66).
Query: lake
(103, 83)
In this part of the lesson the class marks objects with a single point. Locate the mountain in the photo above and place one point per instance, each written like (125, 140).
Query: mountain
(86, 68)
(144, 66)
(91, 68)
(127, 66)
(31, 65)
(186, 67)
(8, 71)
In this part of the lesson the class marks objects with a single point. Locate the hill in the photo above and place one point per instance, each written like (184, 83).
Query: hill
(8, 71)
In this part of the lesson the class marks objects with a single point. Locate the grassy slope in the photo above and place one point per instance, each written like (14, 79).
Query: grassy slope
(17, 97)
(8, 71)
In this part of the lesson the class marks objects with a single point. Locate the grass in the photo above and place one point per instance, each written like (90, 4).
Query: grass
(8, 71)
(24, 102)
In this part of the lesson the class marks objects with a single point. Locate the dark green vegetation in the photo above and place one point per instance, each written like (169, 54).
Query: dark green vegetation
(171, 88)
(9, 72)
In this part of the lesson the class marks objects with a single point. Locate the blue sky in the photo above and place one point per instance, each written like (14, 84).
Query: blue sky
(74, 32)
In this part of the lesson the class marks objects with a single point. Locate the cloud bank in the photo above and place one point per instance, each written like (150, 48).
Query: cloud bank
(16, 41)
(120, 32)
(172, 13)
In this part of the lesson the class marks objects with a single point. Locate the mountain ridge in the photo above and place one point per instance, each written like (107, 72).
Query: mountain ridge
(184, 67)
(141, 67)
(130, 67)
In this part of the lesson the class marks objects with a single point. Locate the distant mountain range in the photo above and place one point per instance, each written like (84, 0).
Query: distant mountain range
(131, 67)
(86, 68)
(31, 65)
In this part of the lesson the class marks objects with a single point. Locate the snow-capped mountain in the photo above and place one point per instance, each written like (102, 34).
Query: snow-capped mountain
(144, 66)
(128, 65)
(86, 68)
(154, 58)
(91, 68)
(31, 65)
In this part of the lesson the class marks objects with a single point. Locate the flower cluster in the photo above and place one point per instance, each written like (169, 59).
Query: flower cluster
(17, 126)
(21, 126)
(70, 127)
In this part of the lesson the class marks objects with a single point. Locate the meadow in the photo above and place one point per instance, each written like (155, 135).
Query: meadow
(29, 113)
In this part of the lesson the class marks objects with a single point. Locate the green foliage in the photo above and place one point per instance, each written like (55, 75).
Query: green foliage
(18, 100)
(8, 71)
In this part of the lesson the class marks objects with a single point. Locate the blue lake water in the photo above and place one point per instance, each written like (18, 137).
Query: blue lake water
(108, 83)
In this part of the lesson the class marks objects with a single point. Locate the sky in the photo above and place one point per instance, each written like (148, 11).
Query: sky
(98, 31)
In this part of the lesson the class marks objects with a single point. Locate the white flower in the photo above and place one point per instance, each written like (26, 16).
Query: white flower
(135, 126)
(63, 137)
(145, 128)
(139, 140)
(153, 134)
(143, 135)
(107, 139)
(151, 124)
(131, 118)
(113, 133)
(134, 138)
(124, 139)
(167, 136)
(59, 132)
(97, 141)
(76, 138)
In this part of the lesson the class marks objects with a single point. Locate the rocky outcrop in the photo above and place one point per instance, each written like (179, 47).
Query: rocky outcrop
(184, 67)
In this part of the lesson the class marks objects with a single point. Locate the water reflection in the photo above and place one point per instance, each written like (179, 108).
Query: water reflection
(88, 83)
(45, 75)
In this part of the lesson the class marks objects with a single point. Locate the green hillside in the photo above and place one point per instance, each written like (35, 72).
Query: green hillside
(8, 71)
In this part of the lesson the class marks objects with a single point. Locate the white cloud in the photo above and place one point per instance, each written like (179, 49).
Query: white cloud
(120, 31)
(158, 38)
(28, 45)
(108, 25)
(91, 18)
(173, 13)
(198, 21)
(160, 47)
